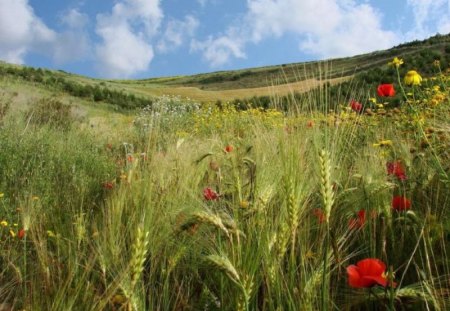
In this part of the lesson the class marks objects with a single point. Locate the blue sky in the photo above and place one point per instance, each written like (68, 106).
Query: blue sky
(151, 38)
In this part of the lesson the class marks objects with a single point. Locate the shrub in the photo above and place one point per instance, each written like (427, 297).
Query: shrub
(50, 111)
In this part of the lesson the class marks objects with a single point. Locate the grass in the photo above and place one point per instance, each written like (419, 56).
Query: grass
(114, 216)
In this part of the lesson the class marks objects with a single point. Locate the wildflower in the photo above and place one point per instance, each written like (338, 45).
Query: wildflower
(4, 223)
(318, 212)
(12, 233)
(51, 234)
(367, 273)
(229, 148)
(386, 90)
(2, 194)
(400, 203)
(35, 198)
(437, 63)
(21, 233)
(396, 62)
(383, 143)
(310, 124)
(396, 168)
(210, 195)
(244, 204)
(356, 106)
(412, 78)
(358, 222)
(108, 185)
(129, 158)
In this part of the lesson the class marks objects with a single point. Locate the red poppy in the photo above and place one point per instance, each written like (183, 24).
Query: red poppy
(108, 185)
(367, 273)
(400, 203)
(229, 148)
(386, 90)
(21, 234)
(318, 212)
(310, 123)
(356, 106)
(358, 222)
(210, 195)
(130, 158)
(396, 168)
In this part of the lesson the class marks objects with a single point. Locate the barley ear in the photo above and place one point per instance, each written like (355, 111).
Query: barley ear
(326, 189)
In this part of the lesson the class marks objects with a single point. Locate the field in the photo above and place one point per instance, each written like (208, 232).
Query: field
(184, 205)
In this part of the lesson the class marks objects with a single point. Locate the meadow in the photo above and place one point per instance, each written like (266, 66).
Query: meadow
(182, 205)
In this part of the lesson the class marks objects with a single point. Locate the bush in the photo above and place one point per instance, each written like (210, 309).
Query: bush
(52, 112)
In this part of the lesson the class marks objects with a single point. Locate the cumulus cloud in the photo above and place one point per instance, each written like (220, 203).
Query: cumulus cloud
(21, 31)
(126, 33)
(350, 38)
(324, 28)
(430, 16)
(177, 32)
(73, 43)
(219, 50)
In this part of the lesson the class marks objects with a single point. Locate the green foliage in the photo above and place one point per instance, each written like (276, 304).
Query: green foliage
(51, 112)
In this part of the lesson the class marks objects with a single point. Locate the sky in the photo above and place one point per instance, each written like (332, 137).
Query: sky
(153, 38)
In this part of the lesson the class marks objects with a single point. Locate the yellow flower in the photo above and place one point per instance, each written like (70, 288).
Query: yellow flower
(413, 78)
(2, 194)
(4, 223)
(12, 233)
(35, 198)
(383, 143)
(396, 62)
(437, 63)
(51, 234)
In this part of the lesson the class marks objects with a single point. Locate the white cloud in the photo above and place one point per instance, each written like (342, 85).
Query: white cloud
(125, 49)
(73, 43)
(218, 51)
(324, 28)
(177, 32)
(348, 38)
(21, 31)
(430, 16)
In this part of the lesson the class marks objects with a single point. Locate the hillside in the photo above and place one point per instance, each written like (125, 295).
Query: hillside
(234, 85)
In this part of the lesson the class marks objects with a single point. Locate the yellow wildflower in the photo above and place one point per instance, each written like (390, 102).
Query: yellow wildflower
(396, 62)
(12, 233)
(437, 63)
(383, 143)
(51, 234)
(244, 204)
(35, 198)
(413, 78)
(2, 194)
(3, 223)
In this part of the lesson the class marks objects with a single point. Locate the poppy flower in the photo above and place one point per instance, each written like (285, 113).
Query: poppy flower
(356, 106)
(319, 214)
(386, 90)
(367, 273)
(400, 203)
(21, 234)
(108, 185)
(396, 168)
(210, 195)
(310, 124)
(412, 78)
(358, 222)
(229, 148)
